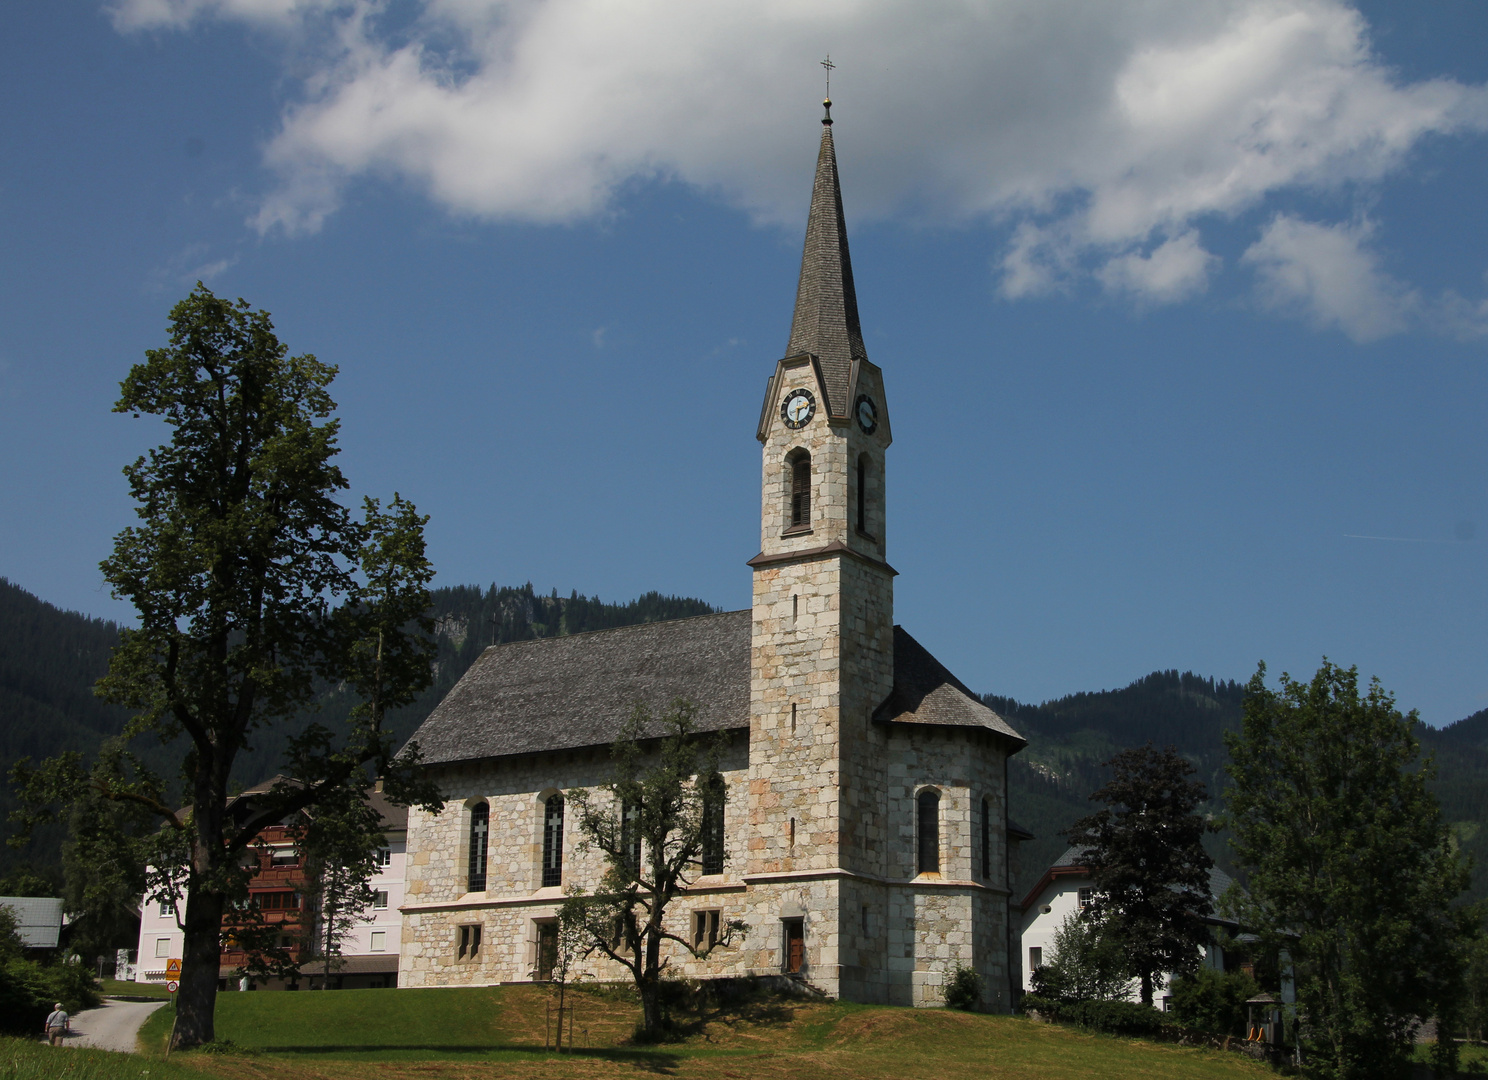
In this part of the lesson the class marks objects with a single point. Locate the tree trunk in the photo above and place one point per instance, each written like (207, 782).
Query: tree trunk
(650, 986)
(1146, 988)
(196, 998)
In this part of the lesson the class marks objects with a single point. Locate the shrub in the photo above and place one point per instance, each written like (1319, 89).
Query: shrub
(1087, 964)
(963, 990)
(1212, 1001)
(1114, 1017)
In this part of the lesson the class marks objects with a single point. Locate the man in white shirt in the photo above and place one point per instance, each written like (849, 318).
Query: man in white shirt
(56, 1025)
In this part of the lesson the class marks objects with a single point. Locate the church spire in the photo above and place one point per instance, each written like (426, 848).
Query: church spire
(826, 317)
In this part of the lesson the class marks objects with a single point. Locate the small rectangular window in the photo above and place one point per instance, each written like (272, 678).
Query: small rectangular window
(167, 907)
(470, 940)
(380, 899)
(284, 857)
(379, 941)
(162, 947)
(1035, 958)
(1085, 895)
(385, 857)
(705, 928)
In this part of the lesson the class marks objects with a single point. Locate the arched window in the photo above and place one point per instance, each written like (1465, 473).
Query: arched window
(986, 837)
(927, 859)
(552, 864)
(714, 796)
(630, 836)
(863, 494)
(800, 489)
(480, 833)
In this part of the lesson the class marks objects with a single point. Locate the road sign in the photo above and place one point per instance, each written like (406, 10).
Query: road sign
(170, 987)
(173, 969)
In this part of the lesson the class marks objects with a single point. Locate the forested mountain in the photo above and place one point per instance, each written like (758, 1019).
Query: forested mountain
(49, 660)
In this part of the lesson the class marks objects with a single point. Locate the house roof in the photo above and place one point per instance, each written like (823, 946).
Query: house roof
(926, 693)
(394, 817)
(1073, 864)
(38, 919)
(565, 692)
(825, 322)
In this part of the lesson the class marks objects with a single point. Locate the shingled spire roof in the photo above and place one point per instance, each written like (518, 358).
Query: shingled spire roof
(826, 319)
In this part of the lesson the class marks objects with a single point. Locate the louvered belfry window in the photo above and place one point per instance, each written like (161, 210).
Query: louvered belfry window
(552, 864)
(801, 490)
(928, 855)
(480, 831)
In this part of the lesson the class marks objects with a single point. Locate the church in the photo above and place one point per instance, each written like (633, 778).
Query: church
(866, 837)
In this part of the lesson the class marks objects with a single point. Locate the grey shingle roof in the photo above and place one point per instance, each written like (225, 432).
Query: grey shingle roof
(1219, 881)
(826, 316)
(38, 919)
(926, 693)
(557, 693)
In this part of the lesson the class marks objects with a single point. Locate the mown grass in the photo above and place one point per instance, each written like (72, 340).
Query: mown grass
(498, 1032)
(31, 1059)
(119, 988)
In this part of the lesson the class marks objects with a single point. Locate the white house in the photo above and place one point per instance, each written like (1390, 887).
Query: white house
(1065, 888)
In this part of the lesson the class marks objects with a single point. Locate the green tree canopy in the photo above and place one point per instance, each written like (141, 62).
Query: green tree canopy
(1350, 869)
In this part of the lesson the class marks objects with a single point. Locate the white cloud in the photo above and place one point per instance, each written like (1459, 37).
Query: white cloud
(1328, 274)
(1102, 132)
(1175, 270)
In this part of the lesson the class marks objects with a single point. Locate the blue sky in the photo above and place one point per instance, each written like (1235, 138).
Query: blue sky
(1181, 306)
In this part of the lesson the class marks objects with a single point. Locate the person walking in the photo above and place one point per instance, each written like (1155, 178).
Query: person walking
(56, 1025)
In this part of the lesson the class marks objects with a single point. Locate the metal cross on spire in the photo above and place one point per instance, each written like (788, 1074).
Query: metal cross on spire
(827, 63)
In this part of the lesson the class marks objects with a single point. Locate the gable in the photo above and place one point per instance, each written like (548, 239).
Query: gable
(566, 692)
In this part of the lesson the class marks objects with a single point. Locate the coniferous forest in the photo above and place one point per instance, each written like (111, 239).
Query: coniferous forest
(50, 658)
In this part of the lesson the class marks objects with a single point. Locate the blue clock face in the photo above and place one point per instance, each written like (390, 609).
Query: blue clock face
(798, 409)
(867, 414)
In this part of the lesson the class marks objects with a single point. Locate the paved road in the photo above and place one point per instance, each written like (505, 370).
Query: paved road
(112, 1027)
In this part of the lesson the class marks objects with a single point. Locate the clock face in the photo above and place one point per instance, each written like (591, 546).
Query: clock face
(798, 409)
(867, 414)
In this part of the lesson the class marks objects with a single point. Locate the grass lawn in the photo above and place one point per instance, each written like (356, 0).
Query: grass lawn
(117, 988)
(31, 1059)
(498, 1032)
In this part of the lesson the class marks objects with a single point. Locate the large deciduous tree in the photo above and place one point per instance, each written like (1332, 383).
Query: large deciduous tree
(1350, 868)
(1146, 855)
(656, 823)
(256, 588)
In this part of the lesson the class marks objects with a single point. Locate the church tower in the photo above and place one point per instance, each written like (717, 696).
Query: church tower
(823, 628)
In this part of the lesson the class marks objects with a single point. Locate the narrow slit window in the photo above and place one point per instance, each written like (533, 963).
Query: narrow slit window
(863, 493)
(630, 836)
(928, 855)
(480, 833)
(552, 865)
(986, 838)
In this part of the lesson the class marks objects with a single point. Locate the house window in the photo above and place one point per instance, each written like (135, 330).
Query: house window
(380, 899)
(167, 907)
(986, 838)
(927, 856)
(1085, 895)
(552, 864)
(470, 940)
(1035, 958)
(715, 795)
(275, 901)
(162, 947)
(800, 490)
(480, 833)
(385, 857)
(630, 837)
(705, 928)
(284, 857)
(379, 941)
(863, 494)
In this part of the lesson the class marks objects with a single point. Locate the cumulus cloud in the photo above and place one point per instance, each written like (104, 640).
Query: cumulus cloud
(1103, 134)
(1330, 275)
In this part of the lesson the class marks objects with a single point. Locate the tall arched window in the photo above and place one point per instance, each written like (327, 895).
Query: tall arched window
(800, 489)
(480, 833)
(552, 864)
(863, 493)
(630, 836)
(715, 795)
(986, 837)
(927, 860)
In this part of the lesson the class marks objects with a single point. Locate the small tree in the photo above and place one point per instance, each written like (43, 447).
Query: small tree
(659, 803)
(1146, 855)
(340, 843)
(1087, 964)
(1351, 869)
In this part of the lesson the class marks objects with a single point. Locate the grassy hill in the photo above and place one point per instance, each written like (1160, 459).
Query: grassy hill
(500, 1031)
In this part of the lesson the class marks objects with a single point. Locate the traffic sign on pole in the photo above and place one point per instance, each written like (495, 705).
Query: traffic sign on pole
(170, 987)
